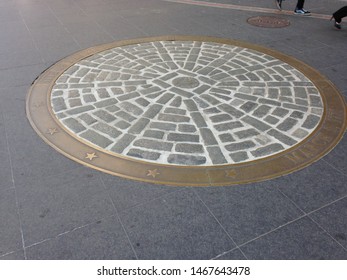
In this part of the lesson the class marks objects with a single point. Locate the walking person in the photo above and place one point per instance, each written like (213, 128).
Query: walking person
(299, 9)
(338, 15)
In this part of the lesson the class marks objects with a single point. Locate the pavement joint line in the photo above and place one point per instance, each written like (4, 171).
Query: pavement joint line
(245, 8)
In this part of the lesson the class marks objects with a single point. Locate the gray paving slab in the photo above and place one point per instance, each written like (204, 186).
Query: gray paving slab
(176, 226)
(61, 203)
(127, 194)
(21, 76)
(332, 218)
(5, 171)
(314, 186)
(10, 227)
(102, 240)
(300, 240)
(250, 210)
(337, 157)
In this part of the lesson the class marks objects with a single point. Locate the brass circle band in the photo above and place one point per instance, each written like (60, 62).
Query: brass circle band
(323, 139)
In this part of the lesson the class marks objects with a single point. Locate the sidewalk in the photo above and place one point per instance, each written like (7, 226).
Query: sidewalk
(54, 208)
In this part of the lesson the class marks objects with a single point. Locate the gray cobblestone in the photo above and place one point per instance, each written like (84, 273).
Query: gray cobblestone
(297, 115)
(154, 144)
(125, 116)
(246, 96)
(180, 137)
(183, 93)
(287, 124)
(200, 102)
(143, 102)
(198, 119)
(311, 121)
(208, 137)
(228, 126)
(131, 108)
(153, 111)
(300, 133)
(88, 98)
(105, 116)
(210, 99)
(106, 102)
(269, 102)
(128, 96)
(186, 128)
(106, 129)
(280, 112)
(122, 143)
(267, 150)
(96, 138)
(139, 126)
(173, 118)
(87, 119)
(186, 159)
(239, 156)
(231, 110)
(74, 125)
(295, 107)
(189, 148)
(247, 133)
(80, 110)
(157, 134)
(137, 153)
(261, 111)
(315, 101)
(226, 137)
(245, 145)
(282, 137)
(165, 98)
(220, 118)
(58, 104)
(216, 155)
(271, 119)
(122, 124)
(163, 126)
(249, 106)
(256, 123)
(112, 108)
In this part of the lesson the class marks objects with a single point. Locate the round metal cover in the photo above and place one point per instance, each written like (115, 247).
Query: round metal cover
(185, 110)
(269, 21)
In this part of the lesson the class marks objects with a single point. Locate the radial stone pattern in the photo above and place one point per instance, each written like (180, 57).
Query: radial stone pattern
(187, 103)
(185, 110)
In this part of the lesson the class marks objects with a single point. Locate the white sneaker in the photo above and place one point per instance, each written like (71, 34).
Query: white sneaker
(302, 12)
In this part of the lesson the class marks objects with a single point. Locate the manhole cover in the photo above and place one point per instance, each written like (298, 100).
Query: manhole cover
(268, 21)
(187, 111)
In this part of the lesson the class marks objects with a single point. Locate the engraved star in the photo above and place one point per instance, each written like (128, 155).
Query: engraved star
(91, 156)
(230, 173)
(153, 173)
(52, 131)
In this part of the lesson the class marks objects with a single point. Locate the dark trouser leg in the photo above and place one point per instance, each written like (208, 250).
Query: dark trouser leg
(300, 4)
(339, 14)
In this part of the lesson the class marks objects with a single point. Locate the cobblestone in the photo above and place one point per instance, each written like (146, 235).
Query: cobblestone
(187, 103)
(96, 138)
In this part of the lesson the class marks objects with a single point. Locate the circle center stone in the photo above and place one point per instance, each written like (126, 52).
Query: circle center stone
(185, 82)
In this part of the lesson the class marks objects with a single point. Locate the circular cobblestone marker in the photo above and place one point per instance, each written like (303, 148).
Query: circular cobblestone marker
(187, 111)
(268, 21)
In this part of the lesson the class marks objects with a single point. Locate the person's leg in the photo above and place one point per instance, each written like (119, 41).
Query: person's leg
(339, 14)
(300, 4)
